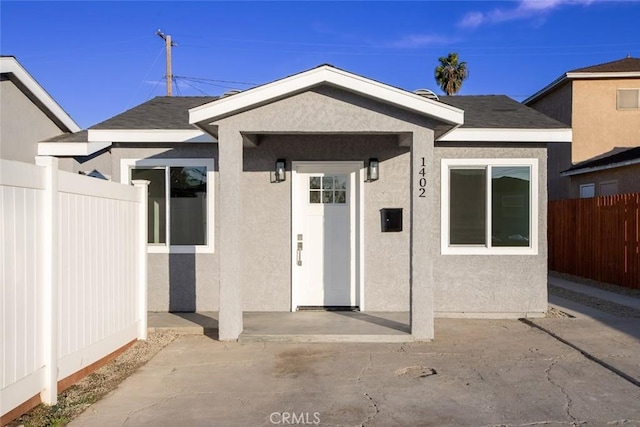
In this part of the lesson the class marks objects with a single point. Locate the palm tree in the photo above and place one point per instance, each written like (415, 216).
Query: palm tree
(450, 73)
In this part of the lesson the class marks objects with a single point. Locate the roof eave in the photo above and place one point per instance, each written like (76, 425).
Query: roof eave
(512, 135)
(10, 65)
(577, 76)
(580, 171)
(548, 88)
(150, 135)
(71, 148)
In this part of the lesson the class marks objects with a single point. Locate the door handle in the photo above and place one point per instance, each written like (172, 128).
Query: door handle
(299, 254)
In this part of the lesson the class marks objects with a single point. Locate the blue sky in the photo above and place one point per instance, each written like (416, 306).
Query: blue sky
(98, 59)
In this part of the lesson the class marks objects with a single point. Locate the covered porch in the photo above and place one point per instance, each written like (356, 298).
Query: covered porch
(305, 326)
(270, 242)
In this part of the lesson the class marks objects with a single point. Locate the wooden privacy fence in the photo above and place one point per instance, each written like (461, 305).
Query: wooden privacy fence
(73, 270)
(597, 238)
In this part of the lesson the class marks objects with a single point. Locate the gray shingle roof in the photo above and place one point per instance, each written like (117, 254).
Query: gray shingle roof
(162, 112)
(499, 111)
(619, 66)
(481, 111)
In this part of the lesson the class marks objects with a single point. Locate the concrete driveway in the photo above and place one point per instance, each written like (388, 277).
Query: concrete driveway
(476, 373)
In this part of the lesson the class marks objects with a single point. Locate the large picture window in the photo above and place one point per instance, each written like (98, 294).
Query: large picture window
(489, 206)
(179, 202)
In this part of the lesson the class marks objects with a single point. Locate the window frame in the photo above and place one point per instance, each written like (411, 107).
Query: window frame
(127, 165)
(591, 186)
(618, 90)
(487, 249)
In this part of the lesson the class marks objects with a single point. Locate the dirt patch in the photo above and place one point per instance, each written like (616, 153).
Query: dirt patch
(555, 313)
(415, 372)
(77, 398)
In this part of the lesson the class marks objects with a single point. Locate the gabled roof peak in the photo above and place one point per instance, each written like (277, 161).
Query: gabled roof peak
(324, 74)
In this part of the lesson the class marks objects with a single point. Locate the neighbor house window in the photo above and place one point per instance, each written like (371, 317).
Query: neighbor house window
(628, 99)
(608, 188)
(587, 190)
(179, 202)
(489, 206)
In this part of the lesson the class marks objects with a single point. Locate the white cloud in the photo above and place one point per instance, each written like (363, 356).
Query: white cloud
(524, 10)
(420, 40)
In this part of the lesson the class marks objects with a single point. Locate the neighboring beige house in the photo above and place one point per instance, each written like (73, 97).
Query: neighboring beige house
(327, 189)
(602, 105)
(29, 116)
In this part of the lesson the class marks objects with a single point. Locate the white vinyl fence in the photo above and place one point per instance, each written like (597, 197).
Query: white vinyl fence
(73, 271)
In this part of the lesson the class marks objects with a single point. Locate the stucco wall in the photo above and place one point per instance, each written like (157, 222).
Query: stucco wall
(266, 224)
(627, 178)
(177, 282)
(479, 285)
(22, 125)
(268, 218)
(598, 127)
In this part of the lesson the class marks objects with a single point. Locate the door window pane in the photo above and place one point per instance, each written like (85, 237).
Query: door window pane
(157, 203)
(188, 205)
(467, 210)
(510, 221)
(327, 182)
(314, 182)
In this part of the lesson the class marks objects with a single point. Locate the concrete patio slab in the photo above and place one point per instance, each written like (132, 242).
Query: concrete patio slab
(475, 373)
(327, 326)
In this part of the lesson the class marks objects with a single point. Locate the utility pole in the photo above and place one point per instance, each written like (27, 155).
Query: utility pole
(168, 44)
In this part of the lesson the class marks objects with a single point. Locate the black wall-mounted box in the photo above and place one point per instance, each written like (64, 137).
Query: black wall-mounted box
(391, 219)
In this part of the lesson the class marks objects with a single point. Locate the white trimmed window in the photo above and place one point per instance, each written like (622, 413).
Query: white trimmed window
(180, 202)
(587, 191)
(489, 206)
(628, 99)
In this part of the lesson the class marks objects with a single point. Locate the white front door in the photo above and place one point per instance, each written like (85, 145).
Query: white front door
(325, 234)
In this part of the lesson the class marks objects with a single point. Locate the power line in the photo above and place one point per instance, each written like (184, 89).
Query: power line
(219, 81)
(155, 87)
(194, 87)
(392, 46)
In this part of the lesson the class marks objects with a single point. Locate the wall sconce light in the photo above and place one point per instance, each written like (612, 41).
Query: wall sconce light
(372, 170)
(279, 172)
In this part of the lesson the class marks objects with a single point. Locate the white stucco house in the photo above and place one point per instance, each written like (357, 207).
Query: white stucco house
(329, 189)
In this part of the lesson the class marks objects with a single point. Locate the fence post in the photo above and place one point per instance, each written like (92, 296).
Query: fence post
(141, 258)
(49, 218)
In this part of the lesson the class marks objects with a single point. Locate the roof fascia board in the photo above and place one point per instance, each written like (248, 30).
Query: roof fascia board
(600, 168)
(11, 65)
(507, 135)
(150, 135)
(548, 88)
(604, 75)
(71, 148)
(328, 75)
(575, 76)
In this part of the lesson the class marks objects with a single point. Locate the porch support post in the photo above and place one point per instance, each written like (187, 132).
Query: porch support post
(229, 239)
(422, 215)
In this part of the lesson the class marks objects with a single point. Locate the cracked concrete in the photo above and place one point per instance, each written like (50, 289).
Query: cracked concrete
(371, 417)
(562, 390)
(476, 373)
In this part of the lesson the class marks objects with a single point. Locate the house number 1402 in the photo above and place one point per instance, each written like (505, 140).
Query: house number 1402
(422, 182)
